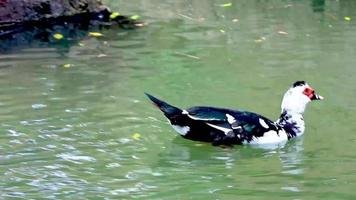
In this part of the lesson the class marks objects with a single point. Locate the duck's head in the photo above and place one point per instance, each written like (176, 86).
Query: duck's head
(298, 96)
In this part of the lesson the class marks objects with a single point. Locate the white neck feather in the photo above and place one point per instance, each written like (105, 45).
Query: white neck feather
(293, 106)
(294, 101)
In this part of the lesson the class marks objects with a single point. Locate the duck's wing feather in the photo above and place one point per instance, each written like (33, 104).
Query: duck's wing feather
(207, 113)
(247, 123)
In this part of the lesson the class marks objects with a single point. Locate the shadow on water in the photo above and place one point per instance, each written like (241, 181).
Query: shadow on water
(318, 5)
(61, 33)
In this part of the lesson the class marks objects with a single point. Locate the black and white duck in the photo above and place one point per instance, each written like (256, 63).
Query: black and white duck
(222, 126)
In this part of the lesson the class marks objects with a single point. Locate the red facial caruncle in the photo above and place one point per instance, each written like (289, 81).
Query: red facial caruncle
(309, 92)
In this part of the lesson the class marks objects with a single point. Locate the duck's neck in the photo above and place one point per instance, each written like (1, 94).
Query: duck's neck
(292, 123)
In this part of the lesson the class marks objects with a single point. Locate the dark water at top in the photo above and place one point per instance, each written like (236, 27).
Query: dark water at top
(74, 123)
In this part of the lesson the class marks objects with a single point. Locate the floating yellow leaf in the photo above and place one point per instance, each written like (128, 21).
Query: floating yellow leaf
(114, 15)
(58, 36)
(67, 65)
(136, 136)
(222, 31)
(135, 17)
(226, 4)
(81, 44)
(235, 20)
(95, 34)
(347, 18)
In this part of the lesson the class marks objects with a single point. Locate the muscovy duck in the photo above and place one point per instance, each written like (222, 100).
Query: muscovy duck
(221, 126)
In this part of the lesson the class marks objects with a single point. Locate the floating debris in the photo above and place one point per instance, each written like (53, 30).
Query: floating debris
(101, 55)
(261, 39)
(95, 34)
(67, 65)
(226, 5)
(81, 44)
(136, 136)
(222, 31)
(58, 36)
(282, 32)
(135, 17)
(346, 18)
(235, 20)
(185, 16)
(140, 24)
(199, 19)
(114, 15)
(188, 55)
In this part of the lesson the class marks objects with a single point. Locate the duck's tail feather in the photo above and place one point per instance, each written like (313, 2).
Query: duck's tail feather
(166, 108)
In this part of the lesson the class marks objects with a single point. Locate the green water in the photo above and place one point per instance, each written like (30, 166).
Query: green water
(87, 131)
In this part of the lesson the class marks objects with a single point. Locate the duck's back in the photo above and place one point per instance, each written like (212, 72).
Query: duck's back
(227, 125)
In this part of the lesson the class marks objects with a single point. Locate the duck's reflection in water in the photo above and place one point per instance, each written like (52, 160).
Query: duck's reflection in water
(231, 170)
(292, 157)
(182, 151)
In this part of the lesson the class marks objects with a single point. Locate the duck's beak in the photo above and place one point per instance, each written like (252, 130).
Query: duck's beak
(317, 97)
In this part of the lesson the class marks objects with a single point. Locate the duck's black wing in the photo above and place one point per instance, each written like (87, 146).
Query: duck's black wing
(239, 126)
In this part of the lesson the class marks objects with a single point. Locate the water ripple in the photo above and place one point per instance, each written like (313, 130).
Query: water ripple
(77, 159)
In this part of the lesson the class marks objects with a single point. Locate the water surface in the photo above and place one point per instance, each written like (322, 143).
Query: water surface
(75, 124)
